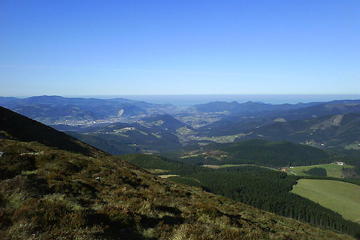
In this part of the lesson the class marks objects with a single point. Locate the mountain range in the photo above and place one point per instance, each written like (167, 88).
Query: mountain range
(73, 111)
(122, 126)
(237, 122)
(334, 131)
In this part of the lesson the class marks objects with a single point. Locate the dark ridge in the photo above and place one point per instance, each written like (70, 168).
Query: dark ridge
(18, 127)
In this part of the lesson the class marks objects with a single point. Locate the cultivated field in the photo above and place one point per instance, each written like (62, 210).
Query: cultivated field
(341, 197)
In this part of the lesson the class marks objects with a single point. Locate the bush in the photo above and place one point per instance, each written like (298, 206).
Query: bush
(318, 172)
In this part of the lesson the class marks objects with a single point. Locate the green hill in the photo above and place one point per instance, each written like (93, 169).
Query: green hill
(122, 138)
(251, 122)
(259, 152)
(333, 131)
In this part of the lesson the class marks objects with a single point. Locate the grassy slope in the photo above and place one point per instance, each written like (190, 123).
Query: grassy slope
(236, 165)
(53, 194)
(332, 170)
(341, 197)
(210, 180)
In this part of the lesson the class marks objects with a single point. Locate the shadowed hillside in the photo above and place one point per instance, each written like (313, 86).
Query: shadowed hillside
(341, 130)
(18, 127)
(250, 121)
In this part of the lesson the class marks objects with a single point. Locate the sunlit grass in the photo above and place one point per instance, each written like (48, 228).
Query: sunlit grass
(341, 197)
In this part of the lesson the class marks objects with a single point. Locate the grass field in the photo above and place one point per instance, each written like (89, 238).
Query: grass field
(341, 197)
(235, 165)
(225, 166)
(332, 170)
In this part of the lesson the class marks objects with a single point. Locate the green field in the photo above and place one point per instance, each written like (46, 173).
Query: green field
(341, 197)
(212, 166)
(226, 165)
(332, 170)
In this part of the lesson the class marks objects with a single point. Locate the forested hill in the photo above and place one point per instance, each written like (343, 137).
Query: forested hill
(259, 152)
(50, 109)
(246, 123)
(334, 131)
(257, 186)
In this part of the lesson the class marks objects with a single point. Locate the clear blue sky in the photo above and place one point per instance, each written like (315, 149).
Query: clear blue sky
(75, 47)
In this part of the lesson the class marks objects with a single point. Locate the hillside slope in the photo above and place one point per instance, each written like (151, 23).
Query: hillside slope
(121, 138)
(47, 193)
(240, 123)
(18, 127)
(259, 152)
(341, 130)
(54, 194)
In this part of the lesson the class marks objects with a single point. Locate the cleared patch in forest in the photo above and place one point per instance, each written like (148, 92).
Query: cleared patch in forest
(341, 197)
(332, 169)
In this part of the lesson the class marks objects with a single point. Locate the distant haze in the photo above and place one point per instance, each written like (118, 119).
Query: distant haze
(186, 100)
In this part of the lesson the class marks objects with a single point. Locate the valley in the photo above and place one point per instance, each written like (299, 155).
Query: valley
(261, 160)
(51, 191)
(144, 127)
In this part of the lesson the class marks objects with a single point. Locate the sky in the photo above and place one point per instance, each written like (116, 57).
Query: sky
(165, 47)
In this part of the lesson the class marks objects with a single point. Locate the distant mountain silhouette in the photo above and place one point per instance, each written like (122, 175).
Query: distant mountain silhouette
(49, 109)
(247, 121)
